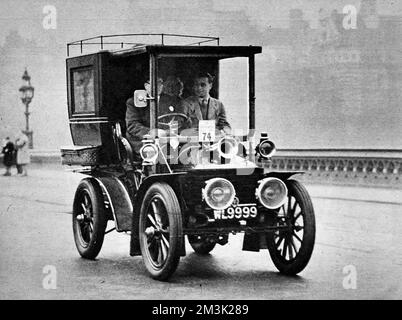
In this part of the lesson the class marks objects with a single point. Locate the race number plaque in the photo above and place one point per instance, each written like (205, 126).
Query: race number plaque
(206, 130)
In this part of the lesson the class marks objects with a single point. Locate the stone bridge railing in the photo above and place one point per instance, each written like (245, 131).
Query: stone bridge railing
(381, 168)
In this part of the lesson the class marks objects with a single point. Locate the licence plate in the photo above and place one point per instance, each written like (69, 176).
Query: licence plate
(241, 211)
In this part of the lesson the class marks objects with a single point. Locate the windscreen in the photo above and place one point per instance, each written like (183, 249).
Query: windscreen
(233, 92)
(206, 91)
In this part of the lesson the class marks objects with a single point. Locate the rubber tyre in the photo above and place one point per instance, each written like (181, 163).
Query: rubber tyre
(89, 243)
(295, 265)
(171, 217)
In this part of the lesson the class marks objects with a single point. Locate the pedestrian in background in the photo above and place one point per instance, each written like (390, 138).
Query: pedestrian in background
(8, 151)
(23, 157)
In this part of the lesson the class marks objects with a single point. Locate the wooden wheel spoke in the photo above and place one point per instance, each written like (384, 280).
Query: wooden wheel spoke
(280, 238)
(278, 244)
(164, 248)
(151, 242)
(294, 206)
(157, 214)
(84, 208)
(289, 204)
(160, 254)
(293, 245)
(154, 207)
(151, 218)
(86, 202)
(297, 228)
(297, 237)
(285, 247)
(165, 241)
(90, 225)
(298, 215)
(86, 232)
(290, 248)
(164, 231)
(153, 248)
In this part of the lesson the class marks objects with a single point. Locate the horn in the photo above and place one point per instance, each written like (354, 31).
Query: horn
(227, 147)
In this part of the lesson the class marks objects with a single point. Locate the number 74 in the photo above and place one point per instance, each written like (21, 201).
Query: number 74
(207, 136)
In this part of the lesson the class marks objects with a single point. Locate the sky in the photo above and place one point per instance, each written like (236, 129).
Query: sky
(100, 16)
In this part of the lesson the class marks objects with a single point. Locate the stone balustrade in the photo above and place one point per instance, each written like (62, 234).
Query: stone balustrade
(381, 168)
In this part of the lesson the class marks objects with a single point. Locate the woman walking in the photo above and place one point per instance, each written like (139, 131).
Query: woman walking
(23, 157)
(8, 151)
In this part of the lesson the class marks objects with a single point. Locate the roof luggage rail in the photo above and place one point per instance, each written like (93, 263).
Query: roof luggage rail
(118, 41)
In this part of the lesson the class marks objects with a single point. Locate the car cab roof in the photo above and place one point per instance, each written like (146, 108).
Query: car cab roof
(172, 50)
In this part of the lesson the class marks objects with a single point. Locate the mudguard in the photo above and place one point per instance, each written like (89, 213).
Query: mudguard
(283, 175)
(119, 200)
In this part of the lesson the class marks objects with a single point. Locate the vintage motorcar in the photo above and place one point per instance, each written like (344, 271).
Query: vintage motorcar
(205, 185)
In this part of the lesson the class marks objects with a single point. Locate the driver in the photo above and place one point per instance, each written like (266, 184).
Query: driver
(138, 119)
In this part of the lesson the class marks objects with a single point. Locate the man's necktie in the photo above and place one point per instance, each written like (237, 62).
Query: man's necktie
(204, 109)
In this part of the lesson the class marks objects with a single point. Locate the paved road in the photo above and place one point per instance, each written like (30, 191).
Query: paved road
(354, 237)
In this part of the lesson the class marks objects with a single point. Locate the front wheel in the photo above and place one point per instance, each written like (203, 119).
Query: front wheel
(291, 247)
(89, 219)
(160, 231)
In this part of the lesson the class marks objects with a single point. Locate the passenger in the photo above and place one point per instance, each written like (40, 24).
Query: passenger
(201, 106)
(173, 86)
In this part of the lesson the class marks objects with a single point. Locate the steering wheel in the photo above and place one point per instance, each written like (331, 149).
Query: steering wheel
(172, 115)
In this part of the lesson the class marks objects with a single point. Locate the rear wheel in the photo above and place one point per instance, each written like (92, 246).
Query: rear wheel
(89, 219)
(200, 244)
(160, 231)
(291, 247)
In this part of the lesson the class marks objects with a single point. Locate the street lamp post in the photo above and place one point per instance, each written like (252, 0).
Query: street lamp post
(27, 93)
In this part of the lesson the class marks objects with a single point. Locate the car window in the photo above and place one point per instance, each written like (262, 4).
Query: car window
(83, 90)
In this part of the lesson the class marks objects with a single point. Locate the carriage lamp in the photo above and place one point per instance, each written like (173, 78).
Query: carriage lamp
(27, 94)
(218, 193)
(271, 192)
(149, 153)
(266, 148)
